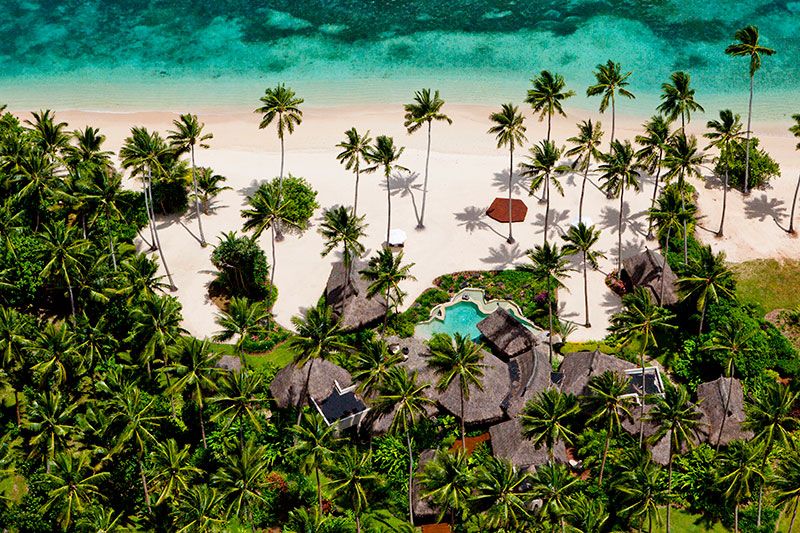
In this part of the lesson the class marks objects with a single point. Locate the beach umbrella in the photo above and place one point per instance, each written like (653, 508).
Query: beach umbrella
(397, 237)
(586, 220)
(499, 210)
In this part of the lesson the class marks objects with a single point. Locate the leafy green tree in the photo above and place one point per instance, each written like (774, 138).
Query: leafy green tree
(671, 215)
(282, 106)
(677, 99)
(385, 272)
(75, 486)
(683, 161)
(49, 136)
(739, 474)
(239, 398)
(342, 227)
(708, 279)
(584, 149)
(355, 152)
(795, 130)
(36, 173)
(502, 489)
(650, 157)
(209, 186)
(544, 170)
(14, 337)
(351, 475)
(549, 265)
(553, 484)
(609, 403)
(581, 239)
(748, 46)
(423, 111)
(141, 281)
(64, 254)
(509, 130)
(723, 133)
(315, 445)
(457, 359)
(547, 96)
(383, 153)
(787, 483)
(102, 520)
(243, 319)
(620, 173)
(242, 268)
(51, 420)
(372, 364)
(242, 478)
(546, 419)
(105, 189)
(610, 81)
(199, 509)
(447, 480)
(643, 492)
(172, 471)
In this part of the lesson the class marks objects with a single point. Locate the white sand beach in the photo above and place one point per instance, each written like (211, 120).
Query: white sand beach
(467, 172)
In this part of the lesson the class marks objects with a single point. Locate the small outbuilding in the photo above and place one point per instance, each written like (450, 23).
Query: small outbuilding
(291, 382)
(509, 443)
(721, 414)
(484, 406)
(505, 334)
(349, 301)
(578, 368)
(650, 270)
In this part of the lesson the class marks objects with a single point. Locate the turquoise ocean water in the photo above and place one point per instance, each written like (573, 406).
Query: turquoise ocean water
(163, 54)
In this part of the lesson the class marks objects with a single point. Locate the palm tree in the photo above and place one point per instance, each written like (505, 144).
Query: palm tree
(105, 187)
(543, 169)
(546, 419)
(49, 136)
(724, 133)
(639, 319)
(315, 444)
(243, 319)
(424, 110)
(350, 476)
(139, 273)
(173, 471)
(239, 398)
(669, 216)
(64, 254)
(547, 95)
(739, 469)
(404, 398)
(282, 106)
(459, 359)
(87, 152)
(581, 239)
(708, 279)
(609, 403)
(502, 489)
(610, 81)
(787, 483)
(584, 150)
(75, 485)
(51, 421)
(795, 129)
(37, 178)
(447, 481)
(678, 99)
(372, 364)
(549, 266)
(198, 509)
(103, 520)
(620, 173)
(770, 417)
(188, 133)
(586, 514)
(650, 156)
(340, 226)
(386, 272)
(209, 186)
(355, 151)
(196, 369)
(748, 47)
(15, 329)
(553, 484)
(677, 419)
(385, 154)
(242, 478)
(319, 336)
(55, 348)
(156, 326)
(509, 130)
(683, 161)
(643, 491)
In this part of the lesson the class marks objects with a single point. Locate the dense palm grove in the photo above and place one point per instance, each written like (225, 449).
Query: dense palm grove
(114, 418)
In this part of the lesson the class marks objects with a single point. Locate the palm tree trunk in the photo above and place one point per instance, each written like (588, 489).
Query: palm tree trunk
(16, 407)
(725, 413)
(510, 239)
(655, 196)
(702, 317)
(682, 192)
(549, 118)
(278, 232)
(421, 224)
(319, 488)
(663, 278)
(583, 191)
(619, 230)
(613, 119)
(149, 214)
(586, 289)
(71, 299)
(158, 241)
(747, 153)
(794, 203)
(463, 432)
(605, 454)
(736, 518)
(547, 206)
(111, 240)
(794, 515)
(303, 397)
(355, 197)
(389, 206)
(669, 489)
(358, 524)
(767, 451)
(725, 203)
(202, 426)
(272, 270)
(642, 395)
(197, 203)
(550, 322)
(144, 486)
(410, 480)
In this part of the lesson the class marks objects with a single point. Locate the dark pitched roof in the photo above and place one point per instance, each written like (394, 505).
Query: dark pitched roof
(646, 269)
(289, 383)
(712, 396)
(530, 374)
(340, 405)
(508, 443)
(578, 368)
(484, 406)
(505, 334)
(350, 303)
(424, 510)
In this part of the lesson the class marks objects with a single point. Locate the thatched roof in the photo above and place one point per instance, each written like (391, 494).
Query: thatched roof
(508, 443)
(712, 396)
(578, 368)
(350, 302)
(230, 363)
(289, 383)
(646, 269)
(505, 334)
(423, 509)
(484, 406)
(530, 374)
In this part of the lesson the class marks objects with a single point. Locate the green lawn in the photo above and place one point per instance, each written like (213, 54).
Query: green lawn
(769, 283)
(687, 523)
(280, 356)
(590, 346)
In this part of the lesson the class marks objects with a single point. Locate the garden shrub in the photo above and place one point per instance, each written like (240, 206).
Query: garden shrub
(170, 197)
(242, 267)
(762, 166)
(300, 202)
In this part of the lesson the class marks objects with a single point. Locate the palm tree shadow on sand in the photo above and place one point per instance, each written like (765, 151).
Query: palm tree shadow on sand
(611, 302)
(403, 185)
(762, 207)
(558, 219)
(248, 190)
(635, 222)
(504, 255)
(474, 218)
(518, 183)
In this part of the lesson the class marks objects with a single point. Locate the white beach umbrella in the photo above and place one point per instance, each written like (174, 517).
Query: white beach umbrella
(585, 219)
(397, 237)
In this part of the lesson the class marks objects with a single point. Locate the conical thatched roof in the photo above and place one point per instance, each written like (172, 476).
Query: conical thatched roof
(484, 406)
(424, 511)
(505, 334)
(646, 269)
(508, 443)
(578, 368)
(712, 396)
(350, 302)
(289, 383)
(530, 374)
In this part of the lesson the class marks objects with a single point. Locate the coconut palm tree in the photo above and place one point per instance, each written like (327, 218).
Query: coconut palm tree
(49, 136)
(198, 509)
(502, 489)
(242, 319)
(677, 99)
(15, 332)
(770, 417)
(340, 226)
(139, 273)
(547, 96)
(748, 46)
(282, 106)
(740, 472)
(549, 266)
(708, 279)
(87, 152)
(677, 419)
(156, 325)
(75, 485)
(209, 186)
(553, 484)
(643, 492)
(609, 403)
(239, 398)
(56, 350)
(683, 161)
(610, 81)
(546, 419)
(544, 170)
(639, 320)
(669, 216)
(372, 364)
(385, 272)
(355, 151)
(103, 520)
(350, 476)
(795, 129)
(724, 134)
(315, 444)
(37, 180)
(447, 480)
(187, 134)
(242, 479)
(584, 150)
(63, 254)
(172, 470)
(509, 130)
(51, 420)
(318, 336)
(403, 398)
(423, 111)
(586, 514)
(620, 172)
(385, 154)
(457, 359)
(104, 187)
(650, 157)
(787, 483)
(581, 239)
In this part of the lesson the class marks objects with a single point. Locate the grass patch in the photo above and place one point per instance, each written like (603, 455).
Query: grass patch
(687, 523)
(280, 356)
(13, 488)
(768, 283)
(223, 348)
(590, 346)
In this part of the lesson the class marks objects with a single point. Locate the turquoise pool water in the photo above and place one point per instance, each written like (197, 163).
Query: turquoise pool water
(461, 317)
(118, 54)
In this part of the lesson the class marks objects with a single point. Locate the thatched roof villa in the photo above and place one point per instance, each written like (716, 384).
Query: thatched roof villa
(483, 406)
(578, 368)
(350, 301)
(650, 270)
(506, 335)
(712, 396)
(509, 443)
